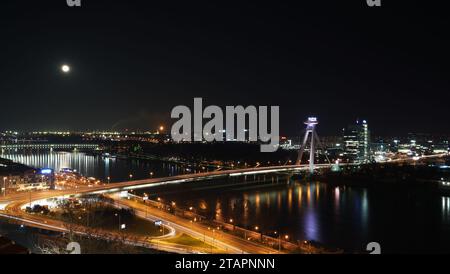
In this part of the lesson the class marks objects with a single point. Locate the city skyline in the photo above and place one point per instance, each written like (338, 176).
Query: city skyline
(131, 63)
(240, 129)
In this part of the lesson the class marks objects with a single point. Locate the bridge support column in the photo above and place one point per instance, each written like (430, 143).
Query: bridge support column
(310, 130)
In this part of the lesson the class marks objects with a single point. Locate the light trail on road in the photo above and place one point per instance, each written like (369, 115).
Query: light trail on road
(10, 206)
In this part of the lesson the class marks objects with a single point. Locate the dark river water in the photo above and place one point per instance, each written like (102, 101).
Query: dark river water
(90, 165)
(402, 220)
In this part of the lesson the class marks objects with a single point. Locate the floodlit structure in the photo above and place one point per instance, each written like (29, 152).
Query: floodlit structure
(357, 142)
(310, 130)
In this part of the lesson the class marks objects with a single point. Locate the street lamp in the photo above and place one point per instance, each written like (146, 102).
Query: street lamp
(279, 241)
(121, 226)
(4, 185)
(213, 238)
(231, 222)
(145, 198)
(131, 176)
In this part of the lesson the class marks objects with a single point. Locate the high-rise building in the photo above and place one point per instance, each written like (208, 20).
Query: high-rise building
(357, 142)
(364, 142)
(351, 144)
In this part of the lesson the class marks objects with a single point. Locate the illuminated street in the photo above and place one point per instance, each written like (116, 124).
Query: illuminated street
(213, 136)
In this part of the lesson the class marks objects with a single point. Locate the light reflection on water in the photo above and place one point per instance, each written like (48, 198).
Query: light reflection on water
(94, 165)
(445, 208)
(85, 164)
(349, 217)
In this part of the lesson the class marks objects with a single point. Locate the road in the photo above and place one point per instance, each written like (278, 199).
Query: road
(222, 240)
(10, 206)
(15, 213)
(147, 183)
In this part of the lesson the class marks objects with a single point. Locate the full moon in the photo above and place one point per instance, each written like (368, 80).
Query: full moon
(65, 68)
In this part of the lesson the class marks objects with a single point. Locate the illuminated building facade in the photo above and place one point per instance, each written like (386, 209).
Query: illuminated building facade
(356, 140)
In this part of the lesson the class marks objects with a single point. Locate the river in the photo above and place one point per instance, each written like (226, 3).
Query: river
(402, 220)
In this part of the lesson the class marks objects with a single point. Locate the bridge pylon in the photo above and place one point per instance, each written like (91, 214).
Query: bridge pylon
(310, 131)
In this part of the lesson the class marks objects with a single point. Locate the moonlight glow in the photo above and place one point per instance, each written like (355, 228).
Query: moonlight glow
(65, 68)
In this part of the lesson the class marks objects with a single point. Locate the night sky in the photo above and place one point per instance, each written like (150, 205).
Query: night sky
(133, 61)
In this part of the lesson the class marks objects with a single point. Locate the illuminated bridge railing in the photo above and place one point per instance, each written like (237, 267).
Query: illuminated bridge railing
(49, 146)
(147, 183)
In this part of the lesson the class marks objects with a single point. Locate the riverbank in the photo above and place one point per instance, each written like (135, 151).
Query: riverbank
(278, 242)
(382, 175)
